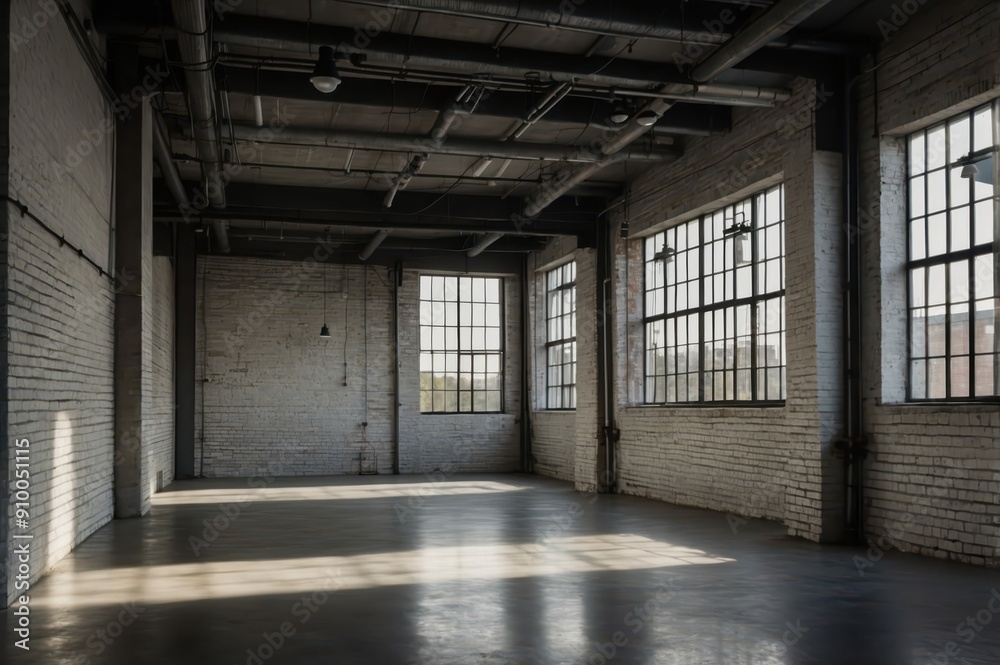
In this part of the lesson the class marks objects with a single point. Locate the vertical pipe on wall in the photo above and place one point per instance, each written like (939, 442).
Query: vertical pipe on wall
(397, 281)
(527, 463)
(853, 405)
(607, 480)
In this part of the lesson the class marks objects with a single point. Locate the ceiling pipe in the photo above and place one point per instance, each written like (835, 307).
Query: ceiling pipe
(165, 158)
(437, 136)
(195, 49)
(466, 147)
(634, 20)
(484, 242)
(773, 23)
(555, 94)
(716, 93)
(374, 243)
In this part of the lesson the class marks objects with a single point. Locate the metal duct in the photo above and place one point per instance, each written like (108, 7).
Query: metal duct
(773, 23)
(467, 147)
(164, 157)
(195, 49)
(632, 20)
(373, 244)
(484, 242)
(435, 53)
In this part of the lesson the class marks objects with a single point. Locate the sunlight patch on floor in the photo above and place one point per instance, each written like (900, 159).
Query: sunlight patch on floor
(228, 579)
(330, 492)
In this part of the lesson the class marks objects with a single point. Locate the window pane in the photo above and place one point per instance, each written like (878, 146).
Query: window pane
(691, 326)
(936, 147)
(984, 222)
(918, 204)
(447, 309)
(560, 357)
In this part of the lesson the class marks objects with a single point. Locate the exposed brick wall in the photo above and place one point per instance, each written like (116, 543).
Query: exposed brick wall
(564, 443)
(772, 462)
(274, 392)
(464, 442)
(158, 410)
(932, 479)
(60, 313)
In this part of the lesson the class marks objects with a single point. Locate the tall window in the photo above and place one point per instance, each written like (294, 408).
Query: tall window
(560, 345)
(715, 306)
(461, 344)
(953, 258)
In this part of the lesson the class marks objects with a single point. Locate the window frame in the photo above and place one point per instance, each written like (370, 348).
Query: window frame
(562, 341)
(758, 297)
(949, 257)
(501, 353)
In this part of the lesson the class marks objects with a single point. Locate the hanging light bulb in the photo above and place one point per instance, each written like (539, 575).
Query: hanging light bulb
(325, 330)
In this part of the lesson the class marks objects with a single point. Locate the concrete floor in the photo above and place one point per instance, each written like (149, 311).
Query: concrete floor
(486, 570)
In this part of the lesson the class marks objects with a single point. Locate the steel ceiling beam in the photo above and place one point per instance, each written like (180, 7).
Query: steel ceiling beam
(704, 23)
(412, 210)
(683, 119)
(455, 146)
(776, 21)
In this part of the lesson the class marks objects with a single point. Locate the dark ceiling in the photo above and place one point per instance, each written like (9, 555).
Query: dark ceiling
(469, 112)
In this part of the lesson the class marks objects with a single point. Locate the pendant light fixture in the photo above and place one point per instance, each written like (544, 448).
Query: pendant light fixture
(325, 77)
(325, 330)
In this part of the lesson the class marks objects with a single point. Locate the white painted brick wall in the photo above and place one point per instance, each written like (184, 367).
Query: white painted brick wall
(932, 480)
(564, 443)
(60, 314)
(772, 462)
(464, 442)
(275, 390)
(158, 407)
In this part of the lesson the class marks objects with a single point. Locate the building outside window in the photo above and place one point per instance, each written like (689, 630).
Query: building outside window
(714, 306)
(952, 258)
(461, 344)
(560, 343)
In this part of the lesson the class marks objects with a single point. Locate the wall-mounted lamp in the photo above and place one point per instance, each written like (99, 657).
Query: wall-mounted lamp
(977, 165)
(741, 232)
(666, 254)
(325, 77)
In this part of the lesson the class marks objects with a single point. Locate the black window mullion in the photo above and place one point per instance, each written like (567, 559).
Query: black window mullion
(701, 308)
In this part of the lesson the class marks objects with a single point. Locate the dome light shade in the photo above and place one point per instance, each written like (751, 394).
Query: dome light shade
(324, 331)
(325, 76)
(970, 171)
(647, 118)
(619, 115)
